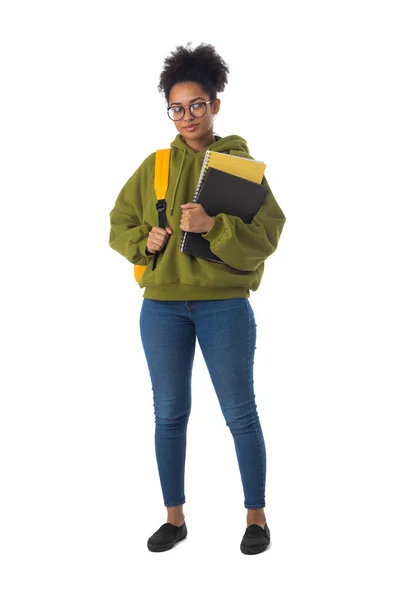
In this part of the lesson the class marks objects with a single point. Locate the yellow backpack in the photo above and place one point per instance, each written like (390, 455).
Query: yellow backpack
(161, 172)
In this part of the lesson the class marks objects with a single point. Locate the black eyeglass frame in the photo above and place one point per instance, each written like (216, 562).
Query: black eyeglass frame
(190, 110)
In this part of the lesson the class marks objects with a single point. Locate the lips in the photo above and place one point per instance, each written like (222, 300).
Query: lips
(191, 126)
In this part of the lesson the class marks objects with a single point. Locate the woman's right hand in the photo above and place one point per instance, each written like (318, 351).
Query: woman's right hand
(157, 239)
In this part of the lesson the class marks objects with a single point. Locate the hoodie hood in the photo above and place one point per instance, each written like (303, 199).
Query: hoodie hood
(221, 144)
(227, 144)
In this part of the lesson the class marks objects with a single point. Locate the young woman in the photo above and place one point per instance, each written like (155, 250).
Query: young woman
(188, 298)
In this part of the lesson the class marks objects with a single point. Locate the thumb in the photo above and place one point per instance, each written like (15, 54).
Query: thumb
(169, 230)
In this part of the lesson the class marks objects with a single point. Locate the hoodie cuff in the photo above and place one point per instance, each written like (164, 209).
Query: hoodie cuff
(216, 231)
(143, 257)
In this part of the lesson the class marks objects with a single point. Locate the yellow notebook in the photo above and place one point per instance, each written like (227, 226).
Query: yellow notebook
(247, 168)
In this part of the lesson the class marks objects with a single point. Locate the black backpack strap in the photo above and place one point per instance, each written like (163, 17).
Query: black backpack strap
(161, 207)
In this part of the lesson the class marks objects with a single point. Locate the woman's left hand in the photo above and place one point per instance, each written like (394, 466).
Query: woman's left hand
(195, 219)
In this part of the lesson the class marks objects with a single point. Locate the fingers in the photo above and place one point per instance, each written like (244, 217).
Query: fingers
(160, 230)
(157, 238)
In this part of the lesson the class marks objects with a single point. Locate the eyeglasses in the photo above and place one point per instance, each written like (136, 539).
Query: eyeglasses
(198, 109)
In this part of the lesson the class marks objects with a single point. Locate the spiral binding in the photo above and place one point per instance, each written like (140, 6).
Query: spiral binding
(196, 194)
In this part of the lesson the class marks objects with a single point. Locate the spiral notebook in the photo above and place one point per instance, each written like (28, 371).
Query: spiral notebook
(222, 192)
(236, 165)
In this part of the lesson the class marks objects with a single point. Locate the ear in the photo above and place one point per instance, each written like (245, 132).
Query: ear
(216, 108)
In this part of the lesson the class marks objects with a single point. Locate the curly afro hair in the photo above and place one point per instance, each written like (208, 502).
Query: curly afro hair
(202, 65)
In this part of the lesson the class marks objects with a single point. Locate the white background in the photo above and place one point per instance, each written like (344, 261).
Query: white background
(313, 89)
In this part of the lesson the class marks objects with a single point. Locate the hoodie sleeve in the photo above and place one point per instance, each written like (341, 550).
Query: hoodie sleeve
(244, 246)
(128, 235)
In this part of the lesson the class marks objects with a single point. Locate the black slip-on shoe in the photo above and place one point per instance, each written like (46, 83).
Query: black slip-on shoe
(256, 539)
(166, 537)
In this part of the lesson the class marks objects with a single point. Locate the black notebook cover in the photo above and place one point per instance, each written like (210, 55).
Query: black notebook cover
(223, 192)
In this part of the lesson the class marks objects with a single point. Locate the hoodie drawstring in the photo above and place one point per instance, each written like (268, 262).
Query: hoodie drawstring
(177, 181)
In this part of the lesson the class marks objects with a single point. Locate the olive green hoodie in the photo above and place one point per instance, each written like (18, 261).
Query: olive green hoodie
(180, 276)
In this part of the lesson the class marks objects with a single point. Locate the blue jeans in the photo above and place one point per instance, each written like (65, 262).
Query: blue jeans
(226, 331)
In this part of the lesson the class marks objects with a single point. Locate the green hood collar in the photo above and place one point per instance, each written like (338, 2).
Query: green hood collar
(221, 144)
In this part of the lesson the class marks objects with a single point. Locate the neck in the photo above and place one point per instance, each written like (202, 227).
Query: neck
(199, 144)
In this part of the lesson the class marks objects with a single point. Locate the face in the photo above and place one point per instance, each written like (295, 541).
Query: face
(185, 93)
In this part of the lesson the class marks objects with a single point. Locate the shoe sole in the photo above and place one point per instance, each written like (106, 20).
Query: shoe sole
(163, 547)
(255, 549)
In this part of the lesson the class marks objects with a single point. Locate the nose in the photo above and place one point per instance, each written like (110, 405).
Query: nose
(188, 115)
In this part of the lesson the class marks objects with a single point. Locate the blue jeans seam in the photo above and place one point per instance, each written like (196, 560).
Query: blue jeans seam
(174, 503)
(256, 427)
